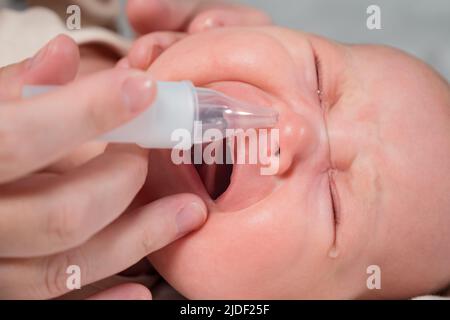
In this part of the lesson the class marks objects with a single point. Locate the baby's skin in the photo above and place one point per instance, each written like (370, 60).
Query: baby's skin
(364, 173)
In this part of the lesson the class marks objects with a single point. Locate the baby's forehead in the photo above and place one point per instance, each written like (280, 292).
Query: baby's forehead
(393, 111)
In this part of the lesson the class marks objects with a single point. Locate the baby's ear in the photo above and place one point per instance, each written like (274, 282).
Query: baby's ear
(227, 16)
(148, 48)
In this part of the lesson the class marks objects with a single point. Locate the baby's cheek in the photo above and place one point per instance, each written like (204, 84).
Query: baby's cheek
(247, 254)
(231, 257)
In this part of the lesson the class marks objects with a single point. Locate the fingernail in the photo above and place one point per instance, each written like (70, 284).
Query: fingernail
(190, 218)
(40, 56)
(137, 92)
(212, 23)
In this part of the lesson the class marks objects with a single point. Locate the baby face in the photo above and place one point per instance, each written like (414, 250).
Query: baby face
(363, 177)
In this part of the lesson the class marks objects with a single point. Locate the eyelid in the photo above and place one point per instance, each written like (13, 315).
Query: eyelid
(318, 65)
(334, 196)
(335, 202)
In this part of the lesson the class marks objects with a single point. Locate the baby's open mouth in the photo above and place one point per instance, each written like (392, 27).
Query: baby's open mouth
(216, 177)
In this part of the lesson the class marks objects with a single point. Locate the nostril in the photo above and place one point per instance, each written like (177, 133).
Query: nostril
(298, 139)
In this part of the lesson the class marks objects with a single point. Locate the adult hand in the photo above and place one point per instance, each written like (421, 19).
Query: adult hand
(50, 221)
(164, 22)
(190, 15)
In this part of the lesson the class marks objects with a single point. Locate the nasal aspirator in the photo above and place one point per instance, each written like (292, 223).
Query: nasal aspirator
(180, 105)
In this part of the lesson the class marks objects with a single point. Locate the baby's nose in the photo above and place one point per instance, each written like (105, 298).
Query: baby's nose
(299, 140)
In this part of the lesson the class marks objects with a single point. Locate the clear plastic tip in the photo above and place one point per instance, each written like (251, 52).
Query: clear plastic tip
(218, 111)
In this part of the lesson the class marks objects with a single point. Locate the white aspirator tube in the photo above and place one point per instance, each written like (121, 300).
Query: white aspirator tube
(178, 106)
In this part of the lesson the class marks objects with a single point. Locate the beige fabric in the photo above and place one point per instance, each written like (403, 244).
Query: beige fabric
(432, 298)
(443, 295)
(159, 288)
(23, 33)
(89, 290)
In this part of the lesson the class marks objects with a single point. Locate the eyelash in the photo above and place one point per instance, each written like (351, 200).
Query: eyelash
(334, 197)
(332, 184)
(318, 65)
